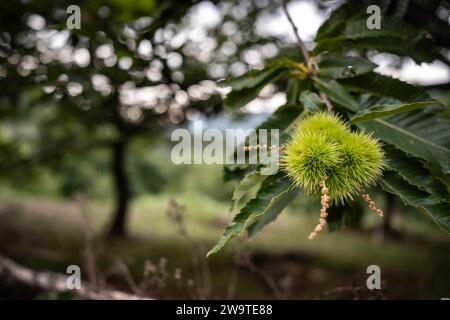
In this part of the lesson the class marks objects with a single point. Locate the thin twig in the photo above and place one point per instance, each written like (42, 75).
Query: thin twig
(18, 277)
(305, 53)
(245, 260)
(327, 101)
(300, 43)
(123, 269)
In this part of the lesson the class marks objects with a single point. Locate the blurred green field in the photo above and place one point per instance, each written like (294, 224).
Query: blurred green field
(50, 233)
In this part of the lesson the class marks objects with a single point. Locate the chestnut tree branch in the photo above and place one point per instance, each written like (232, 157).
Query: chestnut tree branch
(17, 278)
(305, 52)
(300, 43)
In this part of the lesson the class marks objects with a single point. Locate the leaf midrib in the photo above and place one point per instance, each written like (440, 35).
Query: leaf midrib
(410, 134)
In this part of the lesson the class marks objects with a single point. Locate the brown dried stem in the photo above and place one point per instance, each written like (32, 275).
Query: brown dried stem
(305, 53)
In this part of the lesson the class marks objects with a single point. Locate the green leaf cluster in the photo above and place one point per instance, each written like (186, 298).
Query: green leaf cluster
(416, 140)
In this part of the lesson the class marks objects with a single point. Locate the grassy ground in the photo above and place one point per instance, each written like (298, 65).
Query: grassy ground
(51, 233)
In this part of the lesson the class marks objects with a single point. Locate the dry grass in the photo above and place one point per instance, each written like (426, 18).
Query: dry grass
(51, 234)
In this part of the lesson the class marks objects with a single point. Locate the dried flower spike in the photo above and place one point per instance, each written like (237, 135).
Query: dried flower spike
(261, 146)
(372, 204)
(324, 201)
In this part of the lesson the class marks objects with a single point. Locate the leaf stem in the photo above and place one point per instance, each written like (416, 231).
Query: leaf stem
(326, 101)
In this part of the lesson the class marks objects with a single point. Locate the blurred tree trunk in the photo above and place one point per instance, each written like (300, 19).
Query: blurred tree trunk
(122, 190)
(389, 211)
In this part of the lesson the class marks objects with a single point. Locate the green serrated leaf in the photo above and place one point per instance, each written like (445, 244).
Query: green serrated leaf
(282, 118)
(250, 79)
(357, 29)
(379, 111)
(266, 199)
(335, 24)
(311, 101)
(280, 202)
(246, 87)
(338, 67)
(442, 177)
(414, 172)
(347, 28)
(238, 99)
(249, 88)
(420, 51)
(246, 190)
(432, 206)
(416, 133)
(385, 86)
(336, 93)
(295, 87)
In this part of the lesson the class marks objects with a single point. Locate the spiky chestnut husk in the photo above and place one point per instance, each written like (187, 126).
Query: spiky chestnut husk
(323, 146)
(329, 126)
(309, 158)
